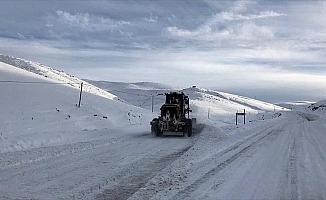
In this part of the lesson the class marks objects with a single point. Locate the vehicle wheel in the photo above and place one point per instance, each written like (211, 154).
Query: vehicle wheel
(185, 130)
(154, 127)
(189, 128)
(158, 131)
(189, 131)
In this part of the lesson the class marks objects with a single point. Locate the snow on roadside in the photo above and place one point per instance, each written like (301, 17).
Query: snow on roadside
(39, 115)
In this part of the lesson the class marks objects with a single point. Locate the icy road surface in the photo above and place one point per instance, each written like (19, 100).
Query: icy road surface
(284, 158)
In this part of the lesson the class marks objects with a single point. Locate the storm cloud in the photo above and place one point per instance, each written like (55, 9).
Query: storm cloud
(272, 50)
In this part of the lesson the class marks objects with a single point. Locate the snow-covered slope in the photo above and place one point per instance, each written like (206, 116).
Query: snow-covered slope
(54, 75)
(219, 107)
(315, 108)
(36, 111)
(319, 106)
(295, 105)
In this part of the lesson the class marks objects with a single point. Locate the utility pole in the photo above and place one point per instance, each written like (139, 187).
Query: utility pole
(244, 116)
(208, 113)
(80, 94)
(152, 103)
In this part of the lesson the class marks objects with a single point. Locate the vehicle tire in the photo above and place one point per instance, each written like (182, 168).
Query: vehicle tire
(154, 127)
(189, 128)
(190, 131)
(185, 130)
(158, 131)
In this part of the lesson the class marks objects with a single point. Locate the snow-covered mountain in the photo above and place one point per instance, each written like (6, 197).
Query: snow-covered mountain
(219, 107)
(295, 105)
(319, 106)
(38, 108)
(52, 74)
(315, 108)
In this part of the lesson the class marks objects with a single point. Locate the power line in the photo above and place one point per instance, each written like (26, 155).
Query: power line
(35, 82)
(52, 83)
(70, 83)
(48, 83)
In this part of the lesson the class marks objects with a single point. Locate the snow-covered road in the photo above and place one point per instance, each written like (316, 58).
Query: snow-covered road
(281, 159)
(116, 166)
(278, 159)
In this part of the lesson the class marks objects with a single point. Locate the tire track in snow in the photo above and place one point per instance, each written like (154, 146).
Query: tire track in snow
(292, 171)
(236, 145)
(289, 184)
(135, 179)
(313, 186)
(30, 156)
(192, 187)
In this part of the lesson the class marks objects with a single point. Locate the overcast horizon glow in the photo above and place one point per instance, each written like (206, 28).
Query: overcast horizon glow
(271, 50)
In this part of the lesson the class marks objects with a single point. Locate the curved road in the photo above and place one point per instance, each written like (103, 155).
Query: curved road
(284, 158)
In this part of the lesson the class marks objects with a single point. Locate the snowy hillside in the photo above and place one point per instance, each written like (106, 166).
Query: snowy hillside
(53, 75)
(220, 106)
(51, 149)
(314, 108)
(319, 106)
(295, 105)
(38, 111)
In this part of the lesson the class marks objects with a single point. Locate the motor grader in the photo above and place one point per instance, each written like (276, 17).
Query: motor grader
(174, 118)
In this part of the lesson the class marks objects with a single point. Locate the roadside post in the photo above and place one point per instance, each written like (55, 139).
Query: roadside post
(240, 114)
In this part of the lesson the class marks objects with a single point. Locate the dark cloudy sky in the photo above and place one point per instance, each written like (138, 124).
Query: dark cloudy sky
(272, 50)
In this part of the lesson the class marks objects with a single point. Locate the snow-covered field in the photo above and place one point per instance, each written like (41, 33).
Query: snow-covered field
(51, 149)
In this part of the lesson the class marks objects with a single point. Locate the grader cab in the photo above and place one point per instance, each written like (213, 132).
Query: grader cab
(174, 118)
